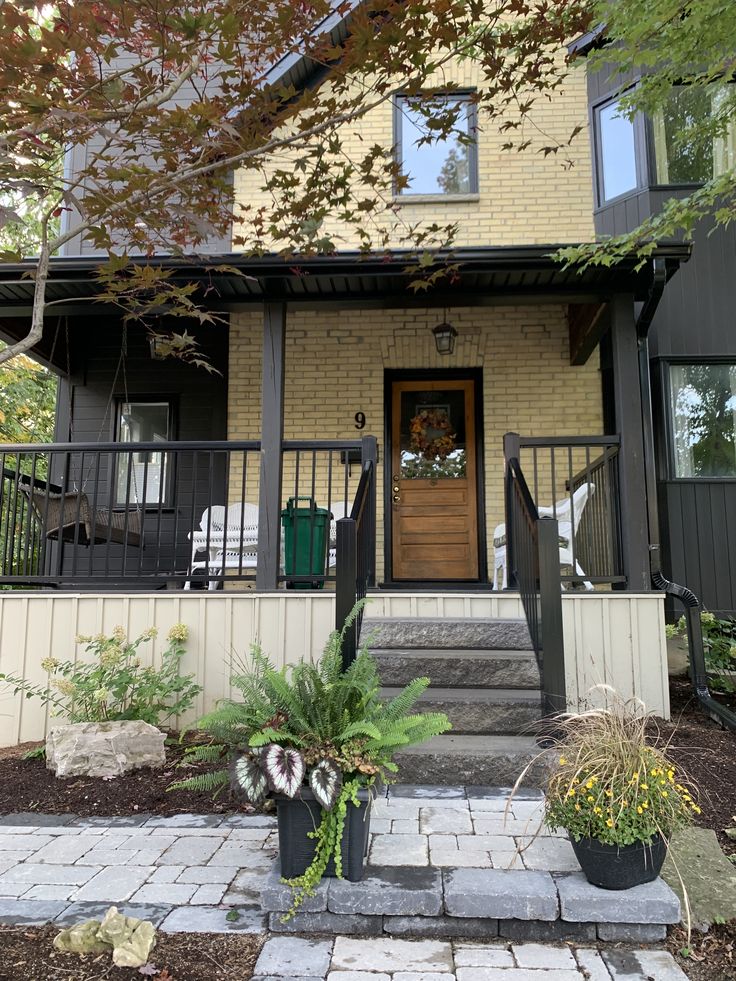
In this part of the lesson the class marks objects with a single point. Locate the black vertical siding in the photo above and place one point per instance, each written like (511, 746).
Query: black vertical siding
(199, 402)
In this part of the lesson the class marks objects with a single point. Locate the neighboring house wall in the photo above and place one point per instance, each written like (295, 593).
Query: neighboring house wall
(335, 362)
(694, 323)
(524, 198)
(604, 638)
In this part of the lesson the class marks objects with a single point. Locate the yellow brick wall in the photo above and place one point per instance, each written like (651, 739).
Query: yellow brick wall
(525, 198)
(335, 362)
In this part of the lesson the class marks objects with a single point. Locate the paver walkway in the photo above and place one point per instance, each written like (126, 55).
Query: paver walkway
(385, 959)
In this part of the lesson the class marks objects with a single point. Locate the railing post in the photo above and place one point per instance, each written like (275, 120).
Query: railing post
(272, 436)
(511, 451)
(369, 454)
(550, 602)
(346, 574)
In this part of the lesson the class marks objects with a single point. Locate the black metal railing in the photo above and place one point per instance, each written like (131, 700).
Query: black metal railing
(534, 566)
(575, 479)
(356, 553)
(170, 514)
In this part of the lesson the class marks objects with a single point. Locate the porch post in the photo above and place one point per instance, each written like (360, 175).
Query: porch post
(272, 436)
(628, 414)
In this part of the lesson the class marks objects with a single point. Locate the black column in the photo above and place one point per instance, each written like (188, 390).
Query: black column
(628, 414)
(272, 435)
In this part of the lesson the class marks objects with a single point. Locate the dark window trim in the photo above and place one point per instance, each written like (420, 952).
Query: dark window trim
(459, 95)
(662, 367)
(410, 374)
(641, 157)
(158, 399)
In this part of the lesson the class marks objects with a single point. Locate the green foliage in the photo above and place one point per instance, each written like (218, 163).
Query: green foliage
(27, 404)
(612, 784)
(719, 647)
(115, 685)
(317, 723)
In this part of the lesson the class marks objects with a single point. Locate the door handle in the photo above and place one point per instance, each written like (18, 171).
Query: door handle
(397, 498)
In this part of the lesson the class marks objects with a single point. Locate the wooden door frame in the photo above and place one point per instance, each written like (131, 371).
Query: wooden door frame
(391, 375)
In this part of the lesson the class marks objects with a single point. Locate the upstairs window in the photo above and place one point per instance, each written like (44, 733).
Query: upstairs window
(680, 162)
(447, 165)
(142, 476)
(616, 152)
(703, 419)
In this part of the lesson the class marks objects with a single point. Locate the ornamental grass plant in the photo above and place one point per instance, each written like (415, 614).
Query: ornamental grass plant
(612, 783)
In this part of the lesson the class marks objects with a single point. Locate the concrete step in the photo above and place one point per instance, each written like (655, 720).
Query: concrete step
(433, 633)
(472, 760)
(481, 711)
(460, 669)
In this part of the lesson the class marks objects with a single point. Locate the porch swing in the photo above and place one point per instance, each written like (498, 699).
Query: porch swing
(68, 516)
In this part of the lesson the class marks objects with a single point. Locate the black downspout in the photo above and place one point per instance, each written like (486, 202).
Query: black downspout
(691, 603)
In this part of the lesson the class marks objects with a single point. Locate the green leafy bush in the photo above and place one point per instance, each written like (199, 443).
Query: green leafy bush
(612, 784)
(312, 724)
(115, 685)
(719, 647)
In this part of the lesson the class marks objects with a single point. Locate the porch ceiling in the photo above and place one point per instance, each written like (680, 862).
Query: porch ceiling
(481, 276)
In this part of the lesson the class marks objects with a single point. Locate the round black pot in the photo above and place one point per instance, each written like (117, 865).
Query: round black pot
(620, 867)
(299, 815)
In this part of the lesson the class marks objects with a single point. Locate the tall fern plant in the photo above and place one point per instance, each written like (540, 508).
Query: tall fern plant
(316, 725)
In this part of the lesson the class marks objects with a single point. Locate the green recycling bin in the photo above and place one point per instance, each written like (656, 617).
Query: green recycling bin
(305, 531)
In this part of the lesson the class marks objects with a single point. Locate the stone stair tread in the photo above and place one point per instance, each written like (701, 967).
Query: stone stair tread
(477, 695)
(440, 653)
(462, 745)
(479, 633)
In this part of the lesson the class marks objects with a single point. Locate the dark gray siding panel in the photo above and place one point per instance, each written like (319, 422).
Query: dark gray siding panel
(698, 544)
(199, 401)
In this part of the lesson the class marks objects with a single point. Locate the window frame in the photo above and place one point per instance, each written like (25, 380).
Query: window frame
(641, 151)
(665, 385)
(459, 95)
(166, 501)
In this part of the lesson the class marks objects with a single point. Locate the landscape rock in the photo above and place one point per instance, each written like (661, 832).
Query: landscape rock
(103, 749)
(709, 877)
(129, 939)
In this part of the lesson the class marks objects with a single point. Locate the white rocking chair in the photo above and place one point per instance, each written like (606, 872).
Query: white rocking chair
(568, 511)
(229, 536)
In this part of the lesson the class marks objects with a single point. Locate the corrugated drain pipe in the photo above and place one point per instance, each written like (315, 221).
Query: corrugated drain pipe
(688, 599)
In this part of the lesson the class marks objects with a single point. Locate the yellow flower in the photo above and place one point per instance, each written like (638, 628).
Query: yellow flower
(589, 785)
(577, 807)
(609, 822)
(563, 761)
(597, 810)
(636, 776)
(654, 772)
(609, 793)
(664, 793)
(645, 804)
(640, 810)
(644, 786)
(695, 808)
(180, 633)
(590, 798)
(571, 792)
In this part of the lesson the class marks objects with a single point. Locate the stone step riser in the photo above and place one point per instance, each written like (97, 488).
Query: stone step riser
(436, 634)
(485, 718)
(447, 770)
(484, 670)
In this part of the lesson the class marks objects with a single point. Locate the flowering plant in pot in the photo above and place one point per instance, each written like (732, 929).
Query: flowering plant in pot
(617, 794)
(318, 739)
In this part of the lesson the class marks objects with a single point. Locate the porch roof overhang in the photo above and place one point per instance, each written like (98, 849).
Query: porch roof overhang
(475, 276)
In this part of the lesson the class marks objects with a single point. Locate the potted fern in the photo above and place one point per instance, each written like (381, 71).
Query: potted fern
(617, 794)
(318, 740)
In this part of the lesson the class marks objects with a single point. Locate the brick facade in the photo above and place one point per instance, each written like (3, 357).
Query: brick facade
(335, 365)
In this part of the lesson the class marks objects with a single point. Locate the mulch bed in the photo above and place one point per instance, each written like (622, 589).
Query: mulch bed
(706, 752)
(26, 785)
(27, 952)
(708, 957)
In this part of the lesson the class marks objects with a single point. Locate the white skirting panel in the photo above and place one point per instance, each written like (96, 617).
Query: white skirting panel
(617, 639)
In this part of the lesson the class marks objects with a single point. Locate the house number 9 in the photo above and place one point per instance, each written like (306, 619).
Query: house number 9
(360, 420)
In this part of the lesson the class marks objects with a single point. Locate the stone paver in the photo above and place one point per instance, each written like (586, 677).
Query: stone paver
(541, 956)
(625, 964)
(654, 902)
(213, 919)
(399, 850)
(500, 893)
(176, 893)
(293, 955)
(386, 954)
(116, 884)
(477, 956)
(389, 891)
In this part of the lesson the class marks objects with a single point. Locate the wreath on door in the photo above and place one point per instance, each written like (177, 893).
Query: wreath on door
(432, 435)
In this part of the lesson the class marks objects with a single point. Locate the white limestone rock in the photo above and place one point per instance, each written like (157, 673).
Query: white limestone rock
(103, 749)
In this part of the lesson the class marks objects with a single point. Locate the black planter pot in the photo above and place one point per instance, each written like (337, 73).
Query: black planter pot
(299, 815)
(620, 867)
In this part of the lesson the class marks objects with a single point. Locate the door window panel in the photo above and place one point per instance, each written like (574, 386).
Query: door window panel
(703, 417)
(433, 437)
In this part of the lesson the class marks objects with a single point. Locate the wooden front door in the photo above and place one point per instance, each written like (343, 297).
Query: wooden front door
(433, 490)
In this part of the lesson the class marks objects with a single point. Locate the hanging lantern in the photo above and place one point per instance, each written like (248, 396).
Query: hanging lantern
(444, 338)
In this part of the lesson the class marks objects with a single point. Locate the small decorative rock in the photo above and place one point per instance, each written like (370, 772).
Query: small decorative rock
(103, 749)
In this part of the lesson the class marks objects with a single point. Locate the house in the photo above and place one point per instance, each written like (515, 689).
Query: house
(487, 441)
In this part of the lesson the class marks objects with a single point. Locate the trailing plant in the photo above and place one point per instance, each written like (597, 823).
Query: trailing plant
(719, 648)
(612, 783)
(114, 685)
(317, 725)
